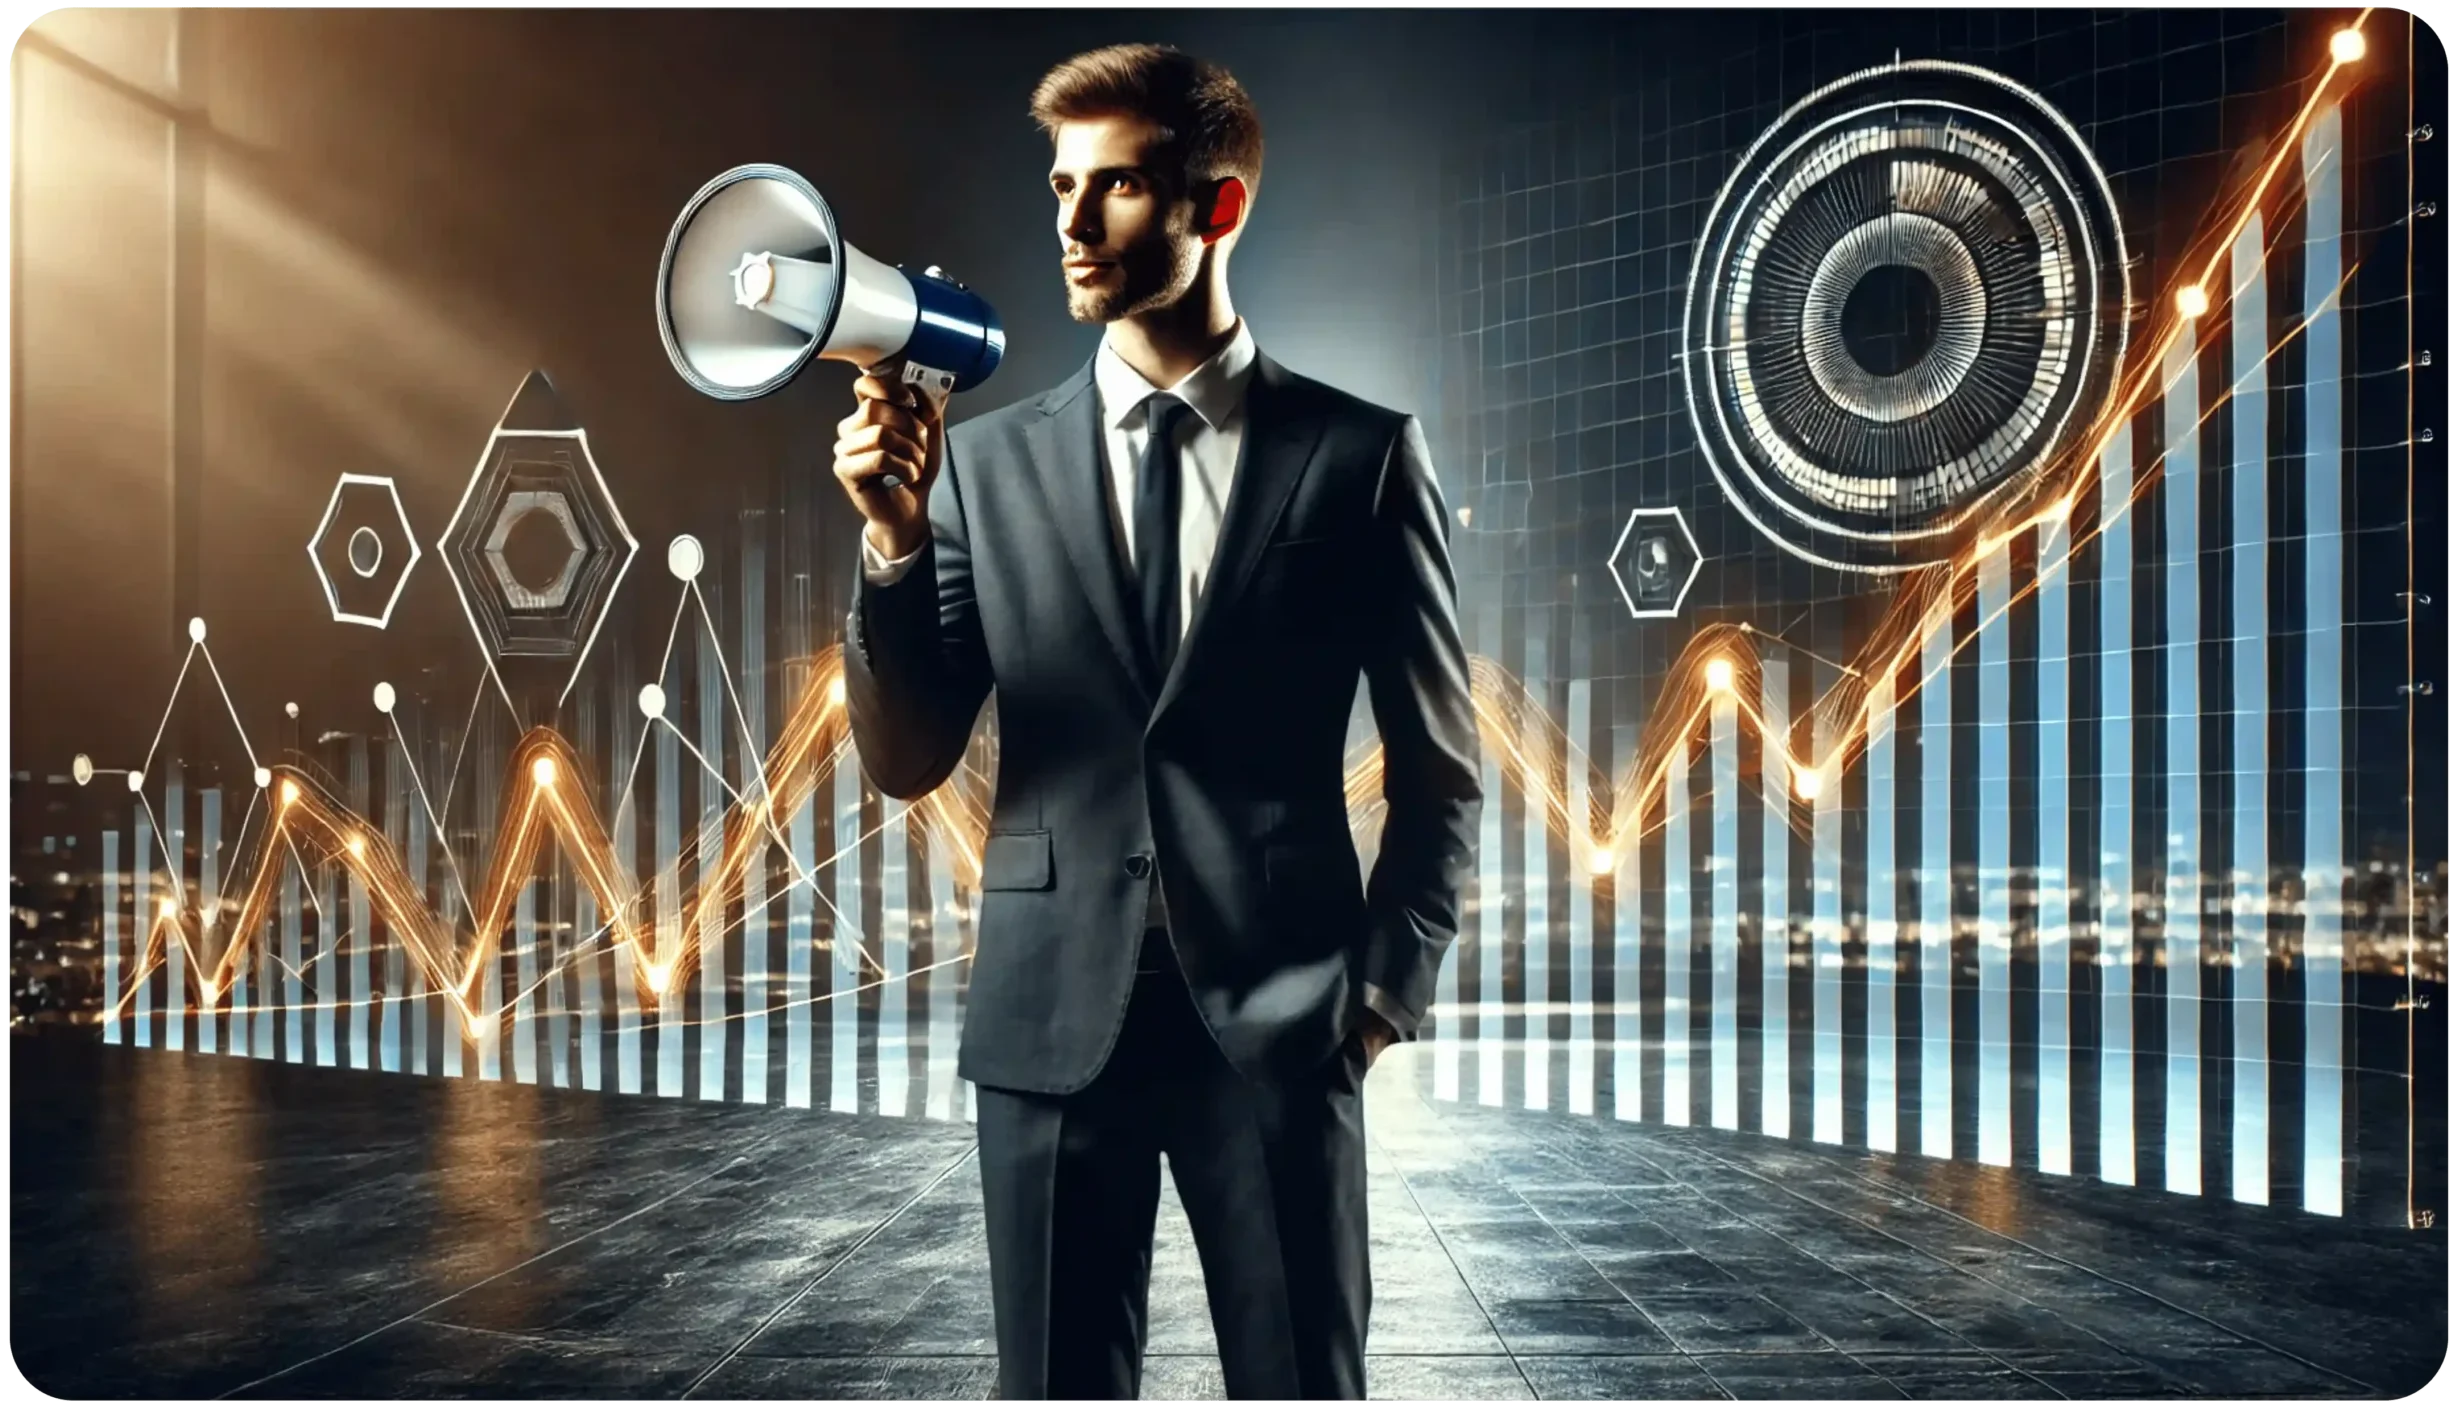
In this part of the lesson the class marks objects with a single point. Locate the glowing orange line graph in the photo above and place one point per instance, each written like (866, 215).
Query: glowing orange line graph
(1717, 662)
(542, 796)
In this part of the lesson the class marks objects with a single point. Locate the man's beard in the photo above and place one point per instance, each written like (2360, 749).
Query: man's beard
(1104, 306)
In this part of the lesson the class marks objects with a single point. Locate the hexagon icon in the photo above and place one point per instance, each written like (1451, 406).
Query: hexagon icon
(536, 548)
(363, 550)
(1655, 561)
(524, 510)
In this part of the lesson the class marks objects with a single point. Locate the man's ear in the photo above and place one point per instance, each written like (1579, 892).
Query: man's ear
(1224, 211)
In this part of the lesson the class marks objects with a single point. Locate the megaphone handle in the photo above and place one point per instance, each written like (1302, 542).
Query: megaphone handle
(929, 382)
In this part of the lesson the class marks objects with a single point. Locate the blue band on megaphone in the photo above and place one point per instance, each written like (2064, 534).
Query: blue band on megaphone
(954, 330)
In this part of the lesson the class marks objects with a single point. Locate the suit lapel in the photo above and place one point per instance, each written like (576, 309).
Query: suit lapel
(1282, 431)
(1068, 451)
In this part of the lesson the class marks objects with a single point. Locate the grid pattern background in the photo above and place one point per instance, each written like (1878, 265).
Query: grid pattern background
(1566, 252)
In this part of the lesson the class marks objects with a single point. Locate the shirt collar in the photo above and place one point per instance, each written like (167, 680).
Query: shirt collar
(1213, 389)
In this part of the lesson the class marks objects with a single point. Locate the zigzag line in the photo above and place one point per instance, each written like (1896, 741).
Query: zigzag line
(541, 799)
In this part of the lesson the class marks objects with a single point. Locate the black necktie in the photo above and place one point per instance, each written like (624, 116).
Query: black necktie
(1156, 532)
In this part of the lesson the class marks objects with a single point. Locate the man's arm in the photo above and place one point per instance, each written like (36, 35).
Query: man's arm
(916, 670)
(1417, 679)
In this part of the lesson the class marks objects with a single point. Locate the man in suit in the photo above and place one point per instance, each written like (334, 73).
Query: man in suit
(1173, 568)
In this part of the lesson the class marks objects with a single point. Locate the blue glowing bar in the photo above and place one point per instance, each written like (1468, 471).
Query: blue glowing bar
(1725, 863)
(396, 959)
(800, 905)
(176, 1002)
(294, 1000)
(1775, 904)
(1937, 892)
(328, 981)
(2116, 841)
(2249, 561)
(896, 957)
(558, 1005)
(563, 946)
(556, 951)
(1680, 867)
(1578, 854)
(711, 976)
(671, 1032)
(265, 1005)
(2325, 623)
(1535, 890)
(436, 885)
(2181, 961)
(525, 963)
(845, 944)
(2056, 850)
(624, 758)
(209, 916)
(525, 958)
(757, 961)
(1493, 936)
(147, 918)
(946, 945)
(110, 937)
(1826, 943)
(1629, 986)
(1883, 969)
(590, 951)
(756, 887)
(1996, 838)
(361, 941)
(593, 952)
(243, 1010)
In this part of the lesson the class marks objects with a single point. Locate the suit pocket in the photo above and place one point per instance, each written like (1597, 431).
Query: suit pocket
(1016, 862)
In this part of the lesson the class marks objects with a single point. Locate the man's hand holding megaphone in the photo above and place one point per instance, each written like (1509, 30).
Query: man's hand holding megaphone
(756, 281)
(887, 454)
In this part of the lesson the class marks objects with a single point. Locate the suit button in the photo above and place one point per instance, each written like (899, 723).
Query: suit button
(1139, 865)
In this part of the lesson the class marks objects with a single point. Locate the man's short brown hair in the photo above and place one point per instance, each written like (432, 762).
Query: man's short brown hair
(1208, 124)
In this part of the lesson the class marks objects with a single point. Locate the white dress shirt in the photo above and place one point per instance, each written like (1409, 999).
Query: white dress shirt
(1208, 444)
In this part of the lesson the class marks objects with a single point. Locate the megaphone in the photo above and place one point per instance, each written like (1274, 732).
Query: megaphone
(756, 281)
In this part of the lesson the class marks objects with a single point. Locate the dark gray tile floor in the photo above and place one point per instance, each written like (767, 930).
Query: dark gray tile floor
(190, 1225)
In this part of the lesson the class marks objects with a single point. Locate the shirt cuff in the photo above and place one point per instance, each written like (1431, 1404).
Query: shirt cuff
(1380, 1002)
(878, 568)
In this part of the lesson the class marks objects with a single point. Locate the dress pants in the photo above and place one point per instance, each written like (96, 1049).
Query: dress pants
(1273, 1179)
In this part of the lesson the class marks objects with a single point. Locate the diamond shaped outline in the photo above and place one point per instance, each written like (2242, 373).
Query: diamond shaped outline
(559, 593)
(1613, 561)
(315, 555)
(614, 513)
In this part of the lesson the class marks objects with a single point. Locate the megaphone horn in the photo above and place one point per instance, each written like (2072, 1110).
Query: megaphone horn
(756, 281)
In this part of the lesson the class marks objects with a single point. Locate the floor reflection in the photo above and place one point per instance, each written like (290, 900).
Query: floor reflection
(488, 1187)
(193, 1149)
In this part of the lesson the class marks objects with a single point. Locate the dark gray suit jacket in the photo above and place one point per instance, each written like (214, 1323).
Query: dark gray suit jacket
(1225, 780)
